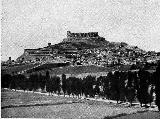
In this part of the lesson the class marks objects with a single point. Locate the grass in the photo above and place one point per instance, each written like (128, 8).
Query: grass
(77, 70)
(26, 105)
(62, 68)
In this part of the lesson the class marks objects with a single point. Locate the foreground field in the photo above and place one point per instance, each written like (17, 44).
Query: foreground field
(33, 105)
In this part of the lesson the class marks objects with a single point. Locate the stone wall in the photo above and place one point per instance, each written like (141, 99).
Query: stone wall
(81, 35)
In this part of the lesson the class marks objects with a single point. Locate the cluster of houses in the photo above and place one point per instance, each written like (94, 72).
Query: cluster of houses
(113, 56)
(114, 53)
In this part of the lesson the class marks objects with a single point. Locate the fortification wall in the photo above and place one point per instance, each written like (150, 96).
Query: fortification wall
(82, 35)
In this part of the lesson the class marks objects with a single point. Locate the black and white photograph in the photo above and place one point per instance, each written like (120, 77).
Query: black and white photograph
(80, 59)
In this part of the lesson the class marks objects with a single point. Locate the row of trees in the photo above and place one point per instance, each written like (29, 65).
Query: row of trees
(119, 86)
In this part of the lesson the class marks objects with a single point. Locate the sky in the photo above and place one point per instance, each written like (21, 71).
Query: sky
(35, 23)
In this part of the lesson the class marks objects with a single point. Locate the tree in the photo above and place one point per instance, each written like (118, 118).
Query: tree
(48, 83)
(99, 88)
(74, 86)
(115, 93)
(35, 82)
(64, 84)
(53, 85)
(69, 84)
(30, 82)
(157, 86)
(56, 84)
(142, 92)
(22, 82)
(122, 89)
(107, 85)
(42, 81)
(14, 83)
(88, 83)
(49, 86)
(79, 87)
(130, 87)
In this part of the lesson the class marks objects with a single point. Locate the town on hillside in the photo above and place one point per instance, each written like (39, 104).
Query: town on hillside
(86, 49)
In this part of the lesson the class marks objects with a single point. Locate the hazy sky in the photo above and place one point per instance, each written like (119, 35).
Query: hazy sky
(34, 23)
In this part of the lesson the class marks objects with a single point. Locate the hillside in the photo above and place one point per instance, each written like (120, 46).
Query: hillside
(75, 70)
(89, 44)
(82, 44)
(84, 47)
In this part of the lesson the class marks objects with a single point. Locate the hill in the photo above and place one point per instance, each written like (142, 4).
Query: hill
(84, 49)
(83, 45)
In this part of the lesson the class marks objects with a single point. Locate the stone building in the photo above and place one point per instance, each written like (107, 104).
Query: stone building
(63, 48)
(82, 37)
(39, 54)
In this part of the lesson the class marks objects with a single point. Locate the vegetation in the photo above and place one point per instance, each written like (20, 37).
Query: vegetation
(157, 86)
(119, 86)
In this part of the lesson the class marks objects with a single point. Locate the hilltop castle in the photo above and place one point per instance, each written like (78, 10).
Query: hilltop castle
(82, 35)
(76, 37)
(46, 53)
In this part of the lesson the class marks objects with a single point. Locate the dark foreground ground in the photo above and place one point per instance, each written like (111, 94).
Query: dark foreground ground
(33, 105)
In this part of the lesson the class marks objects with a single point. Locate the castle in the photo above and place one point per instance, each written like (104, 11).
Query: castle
(76, 37)
(82, 35)
(46, 53)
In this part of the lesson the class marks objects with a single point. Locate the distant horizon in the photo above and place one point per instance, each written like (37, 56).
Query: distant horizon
(33, 24)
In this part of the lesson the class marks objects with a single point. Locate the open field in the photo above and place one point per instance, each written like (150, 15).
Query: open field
(78, 71)
(60, 68)
(28, 105)
(87, 69)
